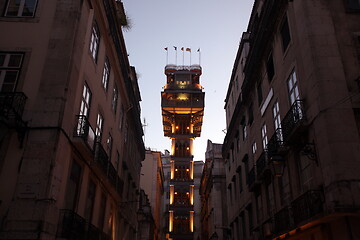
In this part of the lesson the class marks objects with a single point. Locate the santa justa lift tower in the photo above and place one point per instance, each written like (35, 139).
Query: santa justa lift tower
(182, 103)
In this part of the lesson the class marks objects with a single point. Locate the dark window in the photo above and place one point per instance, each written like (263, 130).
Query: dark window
(90, 199)
(238, 170)
(285, 34)
(250, 215)
(10, 65)
(250, 113)
(72, 192)
(353, 4)
(20, 8)
(270, 67)
(243, 225)
(114, 101)
(259, 93)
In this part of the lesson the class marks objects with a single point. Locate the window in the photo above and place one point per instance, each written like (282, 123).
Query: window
(264, 136)
(245, 133)
(20, 8)
(285, 34)
(94, 41)
(276, 115)
(250, 215)
(90, 199)
(254, 148)
(85, 101)
(73, 187)
(114, 101)
(121, 117)
(270, 68)
(293, 88)
(99, 126)
(238, 170)
(109, 143)
(353, 4)
(250, 113)
(106, 74)
(259, 93)
(10, 65)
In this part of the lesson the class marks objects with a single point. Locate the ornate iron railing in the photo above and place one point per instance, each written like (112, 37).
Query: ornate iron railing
(261, 164)
(307, 205)
(282, 221)
(71, 225)
(84, 130)
(275, 142)
(292, 119)
(101, 158)
(12, 104)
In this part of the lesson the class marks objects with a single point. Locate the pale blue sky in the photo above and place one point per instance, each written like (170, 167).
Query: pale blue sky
(214, 26)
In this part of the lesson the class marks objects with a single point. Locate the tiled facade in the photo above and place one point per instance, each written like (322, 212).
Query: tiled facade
(292, 145)
(71, 138)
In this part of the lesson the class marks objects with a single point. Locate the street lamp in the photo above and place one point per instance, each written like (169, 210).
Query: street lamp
(277, 165)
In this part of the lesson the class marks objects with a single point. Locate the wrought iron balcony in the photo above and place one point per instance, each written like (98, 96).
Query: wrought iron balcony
(12, 107)
(282, 221)
(307, 206)
(293, 119)
(275, 143)
(84, 130)
(71, 225)
(101, 158)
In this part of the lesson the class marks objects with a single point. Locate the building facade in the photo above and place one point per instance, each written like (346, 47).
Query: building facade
(213, 195)
(71, 138)
(182, 103)
(152, 182)
(292, 145)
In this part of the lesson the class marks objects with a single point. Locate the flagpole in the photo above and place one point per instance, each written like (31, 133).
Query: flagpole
(182, 49)
(175, 55)
(190, 57)
(199, 56)
(167, 56)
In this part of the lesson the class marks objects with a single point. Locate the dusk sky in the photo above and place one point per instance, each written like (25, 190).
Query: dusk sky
(215, 27)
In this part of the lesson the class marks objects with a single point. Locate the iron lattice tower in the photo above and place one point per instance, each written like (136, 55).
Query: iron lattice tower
(182, 103)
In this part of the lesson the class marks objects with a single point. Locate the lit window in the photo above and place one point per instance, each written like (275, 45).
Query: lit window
(94, 41)
(264, 136)
(85, 101)
(10, 65)
(99, 126)
(106, 74)
(293, 88)
(254, 148)
(20, 8)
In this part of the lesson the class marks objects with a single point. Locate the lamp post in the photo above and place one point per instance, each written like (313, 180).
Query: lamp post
(277, 165)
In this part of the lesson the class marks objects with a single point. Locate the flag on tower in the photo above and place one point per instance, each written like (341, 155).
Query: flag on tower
(166, 49)
(198, 50)
(188, 49)
(182, 49)
(175, 48)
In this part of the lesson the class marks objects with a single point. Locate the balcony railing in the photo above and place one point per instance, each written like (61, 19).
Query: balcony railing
(275, 142)
(282, 221)
(84, 130)
(194, 103)
(294, 117)
(307, 206)
(101, 158)
(71, 225)
(12, 106)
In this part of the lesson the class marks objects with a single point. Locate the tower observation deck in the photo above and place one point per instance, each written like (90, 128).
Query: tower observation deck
(182, 103)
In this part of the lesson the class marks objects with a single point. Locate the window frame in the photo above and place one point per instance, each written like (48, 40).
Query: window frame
(284, 40)
(20, 9)
(5, 68)
(106, 74)
(293, 89)
(95, 38)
